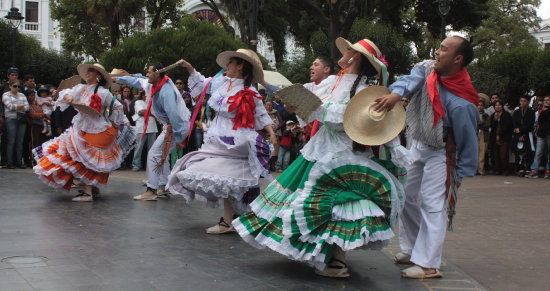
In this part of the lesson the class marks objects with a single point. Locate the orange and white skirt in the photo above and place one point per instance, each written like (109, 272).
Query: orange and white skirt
(77, 154)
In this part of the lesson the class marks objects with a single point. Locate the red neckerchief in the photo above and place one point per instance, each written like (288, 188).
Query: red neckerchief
(459, 84)
(243, 102)
(154, 90)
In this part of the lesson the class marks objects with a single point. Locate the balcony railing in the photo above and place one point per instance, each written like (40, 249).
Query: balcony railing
(32, 26)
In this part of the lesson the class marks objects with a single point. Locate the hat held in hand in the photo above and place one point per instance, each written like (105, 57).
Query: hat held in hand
(366, 126)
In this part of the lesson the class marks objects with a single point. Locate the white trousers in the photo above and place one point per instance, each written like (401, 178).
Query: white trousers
(423, 223)
(154, 176)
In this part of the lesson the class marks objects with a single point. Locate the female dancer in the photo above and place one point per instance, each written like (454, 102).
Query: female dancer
(332, 198)
(87, 150)
(234, 156)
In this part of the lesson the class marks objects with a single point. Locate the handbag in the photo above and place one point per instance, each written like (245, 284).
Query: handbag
(36, 112)
(21, 116)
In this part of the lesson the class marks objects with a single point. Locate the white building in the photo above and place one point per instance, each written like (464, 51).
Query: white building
(543, 34)
(37, 22)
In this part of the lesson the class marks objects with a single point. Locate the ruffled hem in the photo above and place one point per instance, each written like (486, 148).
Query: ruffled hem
(325, 145)
(96, 159)
(355, 210)
(212, 186)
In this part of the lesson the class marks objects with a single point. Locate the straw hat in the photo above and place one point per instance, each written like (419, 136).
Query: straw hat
(366, 126)
(247, 55)
(483, 97)
(118, 73)
(366, 47)
(83, 68)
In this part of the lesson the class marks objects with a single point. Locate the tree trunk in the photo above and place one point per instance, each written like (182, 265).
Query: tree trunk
(115, 33)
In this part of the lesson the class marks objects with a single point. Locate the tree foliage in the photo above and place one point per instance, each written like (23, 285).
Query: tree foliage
(506, 27)
(49, 67)
(162, 11)
(198, 42)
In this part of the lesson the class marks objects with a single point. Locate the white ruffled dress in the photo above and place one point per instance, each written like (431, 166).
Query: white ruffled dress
(231, 161)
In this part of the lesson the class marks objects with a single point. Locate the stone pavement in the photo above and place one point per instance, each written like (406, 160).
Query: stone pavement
(116, 243)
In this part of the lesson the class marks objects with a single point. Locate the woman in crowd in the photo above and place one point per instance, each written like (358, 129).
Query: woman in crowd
(15, 115)
(277, 123)
(87, 150)
(336, 196)
(36, 121)
(234, 156)
(500, 137)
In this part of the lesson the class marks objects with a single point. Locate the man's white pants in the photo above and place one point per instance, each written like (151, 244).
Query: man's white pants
(422, 227)
(154, 177)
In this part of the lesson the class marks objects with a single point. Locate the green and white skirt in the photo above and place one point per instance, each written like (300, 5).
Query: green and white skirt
(351, 201)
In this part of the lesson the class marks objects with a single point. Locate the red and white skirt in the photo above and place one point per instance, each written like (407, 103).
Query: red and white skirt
(77, 154)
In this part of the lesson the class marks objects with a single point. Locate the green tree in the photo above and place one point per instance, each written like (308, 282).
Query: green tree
(506, 27)
(539, 74)
(81, 34)
(48, 66)
(161, 11)
(198, 42)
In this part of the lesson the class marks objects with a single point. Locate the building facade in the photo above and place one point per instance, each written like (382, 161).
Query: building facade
(37, 22)
(543, 34)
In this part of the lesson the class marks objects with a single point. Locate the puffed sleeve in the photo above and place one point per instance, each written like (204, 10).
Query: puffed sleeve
(117, 115)
(196, 83)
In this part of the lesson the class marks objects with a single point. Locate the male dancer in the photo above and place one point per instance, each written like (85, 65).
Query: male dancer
(441, 124)
(167, 105)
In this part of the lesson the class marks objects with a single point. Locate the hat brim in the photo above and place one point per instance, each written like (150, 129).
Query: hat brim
(83, 69)
(484, 98)
(343, 45)
(364, 130)
(223, 59)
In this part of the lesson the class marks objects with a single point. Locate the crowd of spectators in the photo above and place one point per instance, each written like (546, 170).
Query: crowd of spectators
(514, 141)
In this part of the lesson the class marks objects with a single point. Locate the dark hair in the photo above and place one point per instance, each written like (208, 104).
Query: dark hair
(327, 62)
(500, 102)
(495, 94)
(465, 49)
(157, 66)
(365, 69)
(13, 70)
(248, 71)
(30, 93)
(14, 81)
(28, 77)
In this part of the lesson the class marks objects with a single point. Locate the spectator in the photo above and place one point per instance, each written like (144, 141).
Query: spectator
(63, 116)
(150, 133)
(46, 103)
(13, 74)
(483, 126)
(524, 119)
(500, 137)
(35, 122)
(15, 106)
(543, 140)
(491, 109)
(283, 159)
(198, 130)
(29, 83)
(183, 147)
(277, 125)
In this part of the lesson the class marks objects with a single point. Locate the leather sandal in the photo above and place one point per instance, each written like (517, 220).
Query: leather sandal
(334, 271)
(220, 228)
(416, 272)
(95, 193)
(84, 197)
(402, 258)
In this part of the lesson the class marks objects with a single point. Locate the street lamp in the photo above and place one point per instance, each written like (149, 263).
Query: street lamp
(444, 6)
(14, 18)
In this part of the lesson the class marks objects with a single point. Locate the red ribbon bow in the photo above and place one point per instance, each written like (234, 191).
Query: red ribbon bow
(243, 102)
(95, 102)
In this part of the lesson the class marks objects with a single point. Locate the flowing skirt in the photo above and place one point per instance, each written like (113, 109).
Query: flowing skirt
(349, 201)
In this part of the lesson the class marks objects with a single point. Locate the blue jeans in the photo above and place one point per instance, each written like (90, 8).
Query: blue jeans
(283, 158)
(15, 134)
(543, 144)
(198, 135)
(148, 139)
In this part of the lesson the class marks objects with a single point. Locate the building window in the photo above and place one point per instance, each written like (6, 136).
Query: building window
(31, 11)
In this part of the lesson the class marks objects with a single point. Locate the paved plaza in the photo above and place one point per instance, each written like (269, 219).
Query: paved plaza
(116, 243)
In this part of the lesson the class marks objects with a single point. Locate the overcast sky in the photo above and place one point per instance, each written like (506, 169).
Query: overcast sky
(544, 9)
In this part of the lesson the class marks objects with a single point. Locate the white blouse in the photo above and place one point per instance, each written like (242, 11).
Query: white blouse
(221, 89)
(82, 93)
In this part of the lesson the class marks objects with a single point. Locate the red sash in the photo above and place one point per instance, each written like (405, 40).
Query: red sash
(154, 90)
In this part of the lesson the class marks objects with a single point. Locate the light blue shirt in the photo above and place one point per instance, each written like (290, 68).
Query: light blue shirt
(164, 105)
(460, 114)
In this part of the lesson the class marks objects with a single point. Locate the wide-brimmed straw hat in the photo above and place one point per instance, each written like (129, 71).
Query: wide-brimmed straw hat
(366, 47)
(366, 126)
(83, 68)
(118, 73)
(485, 98)
(247, 55)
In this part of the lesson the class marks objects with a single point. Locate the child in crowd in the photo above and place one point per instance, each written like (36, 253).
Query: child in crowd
(46, 102)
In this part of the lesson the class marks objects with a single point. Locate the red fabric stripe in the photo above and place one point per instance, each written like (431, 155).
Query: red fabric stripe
(366, 45)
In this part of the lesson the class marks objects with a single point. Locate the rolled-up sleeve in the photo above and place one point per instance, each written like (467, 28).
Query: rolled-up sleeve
(136, 81)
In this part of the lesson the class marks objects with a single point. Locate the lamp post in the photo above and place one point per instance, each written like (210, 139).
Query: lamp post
(444, 6)
(15, 17)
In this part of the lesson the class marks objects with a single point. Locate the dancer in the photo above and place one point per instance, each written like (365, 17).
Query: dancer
(166, 104)
(234, 156)
(332, 199)
(442, 128)
(88, 149)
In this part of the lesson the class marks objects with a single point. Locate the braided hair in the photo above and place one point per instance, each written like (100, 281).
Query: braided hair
(365, 69)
